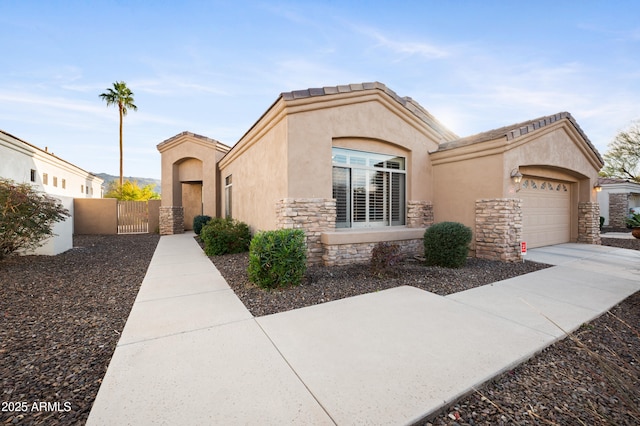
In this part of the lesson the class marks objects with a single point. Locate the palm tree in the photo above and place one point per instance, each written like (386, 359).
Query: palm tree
(122, 96)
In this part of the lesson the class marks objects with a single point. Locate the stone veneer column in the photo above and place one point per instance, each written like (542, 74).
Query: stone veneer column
(618, 210)
(171, 220)
(313, 216)
(589, 223)
(499, 229)
(419, 214)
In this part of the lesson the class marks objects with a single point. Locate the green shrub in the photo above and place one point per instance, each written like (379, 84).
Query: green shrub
(384, 258)
(601, 222)
(27, 217)
(447, 244)
(278, 258)
(199, 222)
(222, 236)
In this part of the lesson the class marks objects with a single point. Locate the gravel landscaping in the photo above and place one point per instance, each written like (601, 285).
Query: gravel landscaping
(62, 317)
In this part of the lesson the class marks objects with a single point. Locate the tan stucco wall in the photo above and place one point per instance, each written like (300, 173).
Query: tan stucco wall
(287, 154)
(372, 124)
(259, 173)
(95, 216)
(188, 158)
(154, 216)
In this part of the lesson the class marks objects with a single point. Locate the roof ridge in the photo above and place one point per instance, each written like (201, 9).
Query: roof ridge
(407, 102)
(517, 130)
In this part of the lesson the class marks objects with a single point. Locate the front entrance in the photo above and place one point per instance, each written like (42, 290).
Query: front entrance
(191, 202)
(546, 211)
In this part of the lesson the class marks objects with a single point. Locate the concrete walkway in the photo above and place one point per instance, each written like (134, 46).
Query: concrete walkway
(191, 353)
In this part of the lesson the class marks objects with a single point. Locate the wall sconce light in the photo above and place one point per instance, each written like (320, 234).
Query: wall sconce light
(597, 187)
(516, 175)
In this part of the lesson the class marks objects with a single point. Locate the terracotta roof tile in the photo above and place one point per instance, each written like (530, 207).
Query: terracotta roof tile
(517, 130)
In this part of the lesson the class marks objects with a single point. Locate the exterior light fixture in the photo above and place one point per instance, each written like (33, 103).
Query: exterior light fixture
(516, 175)
(597, 187)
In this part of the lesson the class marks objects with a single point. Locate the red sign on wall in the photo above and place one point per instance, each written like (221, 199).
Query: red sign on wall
(523, 248)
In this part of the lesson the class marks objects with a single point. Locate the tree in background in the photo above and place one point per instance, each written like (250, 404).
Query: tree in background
(622, 160)
(131, 191)
(27, 217)
(122, 96)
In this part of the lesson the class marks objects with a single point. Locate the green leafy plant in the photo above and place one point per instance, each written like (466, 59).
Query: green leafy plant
(601, 222)
(385, 258)
(199, 221)
(277, 258)
(27, 217)
(131, 191)
(447, 244)
(222, 236)
(634, 221)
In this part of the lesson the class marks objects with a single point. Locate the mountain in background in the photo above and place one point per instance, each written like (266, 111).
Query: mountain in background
(141, 181)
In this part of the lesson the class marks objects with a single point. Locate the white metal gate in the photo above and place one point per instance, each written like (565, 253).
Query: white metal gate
(133, 217)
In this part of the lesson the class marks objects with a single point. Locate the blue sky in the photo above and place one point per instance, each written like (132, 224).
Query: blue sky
(213, 67)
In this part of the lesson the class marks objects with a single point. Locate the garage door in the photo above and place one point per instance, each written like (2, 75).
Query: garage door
(546, 211)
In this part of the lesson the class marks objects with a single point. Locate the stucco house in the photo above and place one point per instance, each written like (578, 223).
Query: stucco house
(616, 198)
(357, 164)
(23, 162)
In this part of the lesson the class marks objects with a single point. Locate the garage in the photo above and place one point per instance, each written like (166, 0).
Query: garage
(546, 211)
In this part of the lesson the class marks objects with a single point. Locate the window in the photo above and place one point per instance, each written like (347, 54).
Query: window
(369, 189)
(55, 181)
(227, 196)
(33, 175)
(45, 179)
(82, 189)
(64, 184)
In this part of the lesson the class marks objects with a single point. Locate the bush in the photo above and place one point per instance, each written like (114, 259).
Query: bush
(27, 217)
(199, 222)
(601, 222)
(222, 236)
(278, 258)
(384, 258)
(447, 244)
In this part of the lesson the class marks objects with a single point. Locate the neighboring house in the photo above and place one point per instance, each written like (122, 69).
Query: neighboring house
(26, 163)
(357, 164)
(616, 198)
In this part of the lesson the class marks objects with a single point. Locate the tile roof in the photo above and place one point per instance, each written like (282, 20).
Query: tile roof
(405, 101)
(517, 130)
(193, 135)
(609, 181)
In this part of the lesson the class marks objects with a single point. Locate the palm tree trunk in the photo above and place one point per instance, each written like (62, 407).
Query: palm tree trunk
(121, 154)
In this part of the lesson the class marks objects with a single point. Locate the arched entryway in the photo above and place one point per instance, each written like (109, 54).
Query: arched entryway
(189, 180)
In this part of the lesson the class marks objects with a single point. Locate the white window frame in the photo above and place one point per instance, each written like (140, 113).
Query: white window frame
(369, 180)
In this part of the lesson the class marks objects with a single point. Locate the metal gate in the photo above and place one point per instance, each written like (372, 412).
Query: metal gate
(133, 217)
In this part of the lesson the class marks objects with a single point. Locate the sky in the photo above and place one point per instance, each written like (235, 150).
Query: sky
(214, 67)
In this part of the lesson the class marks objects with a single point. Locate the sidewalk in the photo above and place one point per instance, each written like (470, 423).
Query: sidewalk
(191, 353)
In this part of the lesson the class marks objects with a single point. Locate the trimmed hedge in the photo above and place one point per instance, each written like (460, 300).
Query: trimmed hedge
(277, 258)
(447, 244)
(222, 236)
(199, 222)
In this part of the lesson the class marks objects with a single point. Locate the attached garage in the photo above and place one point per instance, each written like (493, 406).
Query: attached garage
(530, 182)
(546, 211)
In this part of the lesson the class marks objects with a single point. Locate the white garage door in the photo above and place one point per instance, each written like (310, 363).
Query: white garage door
(546, 211)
